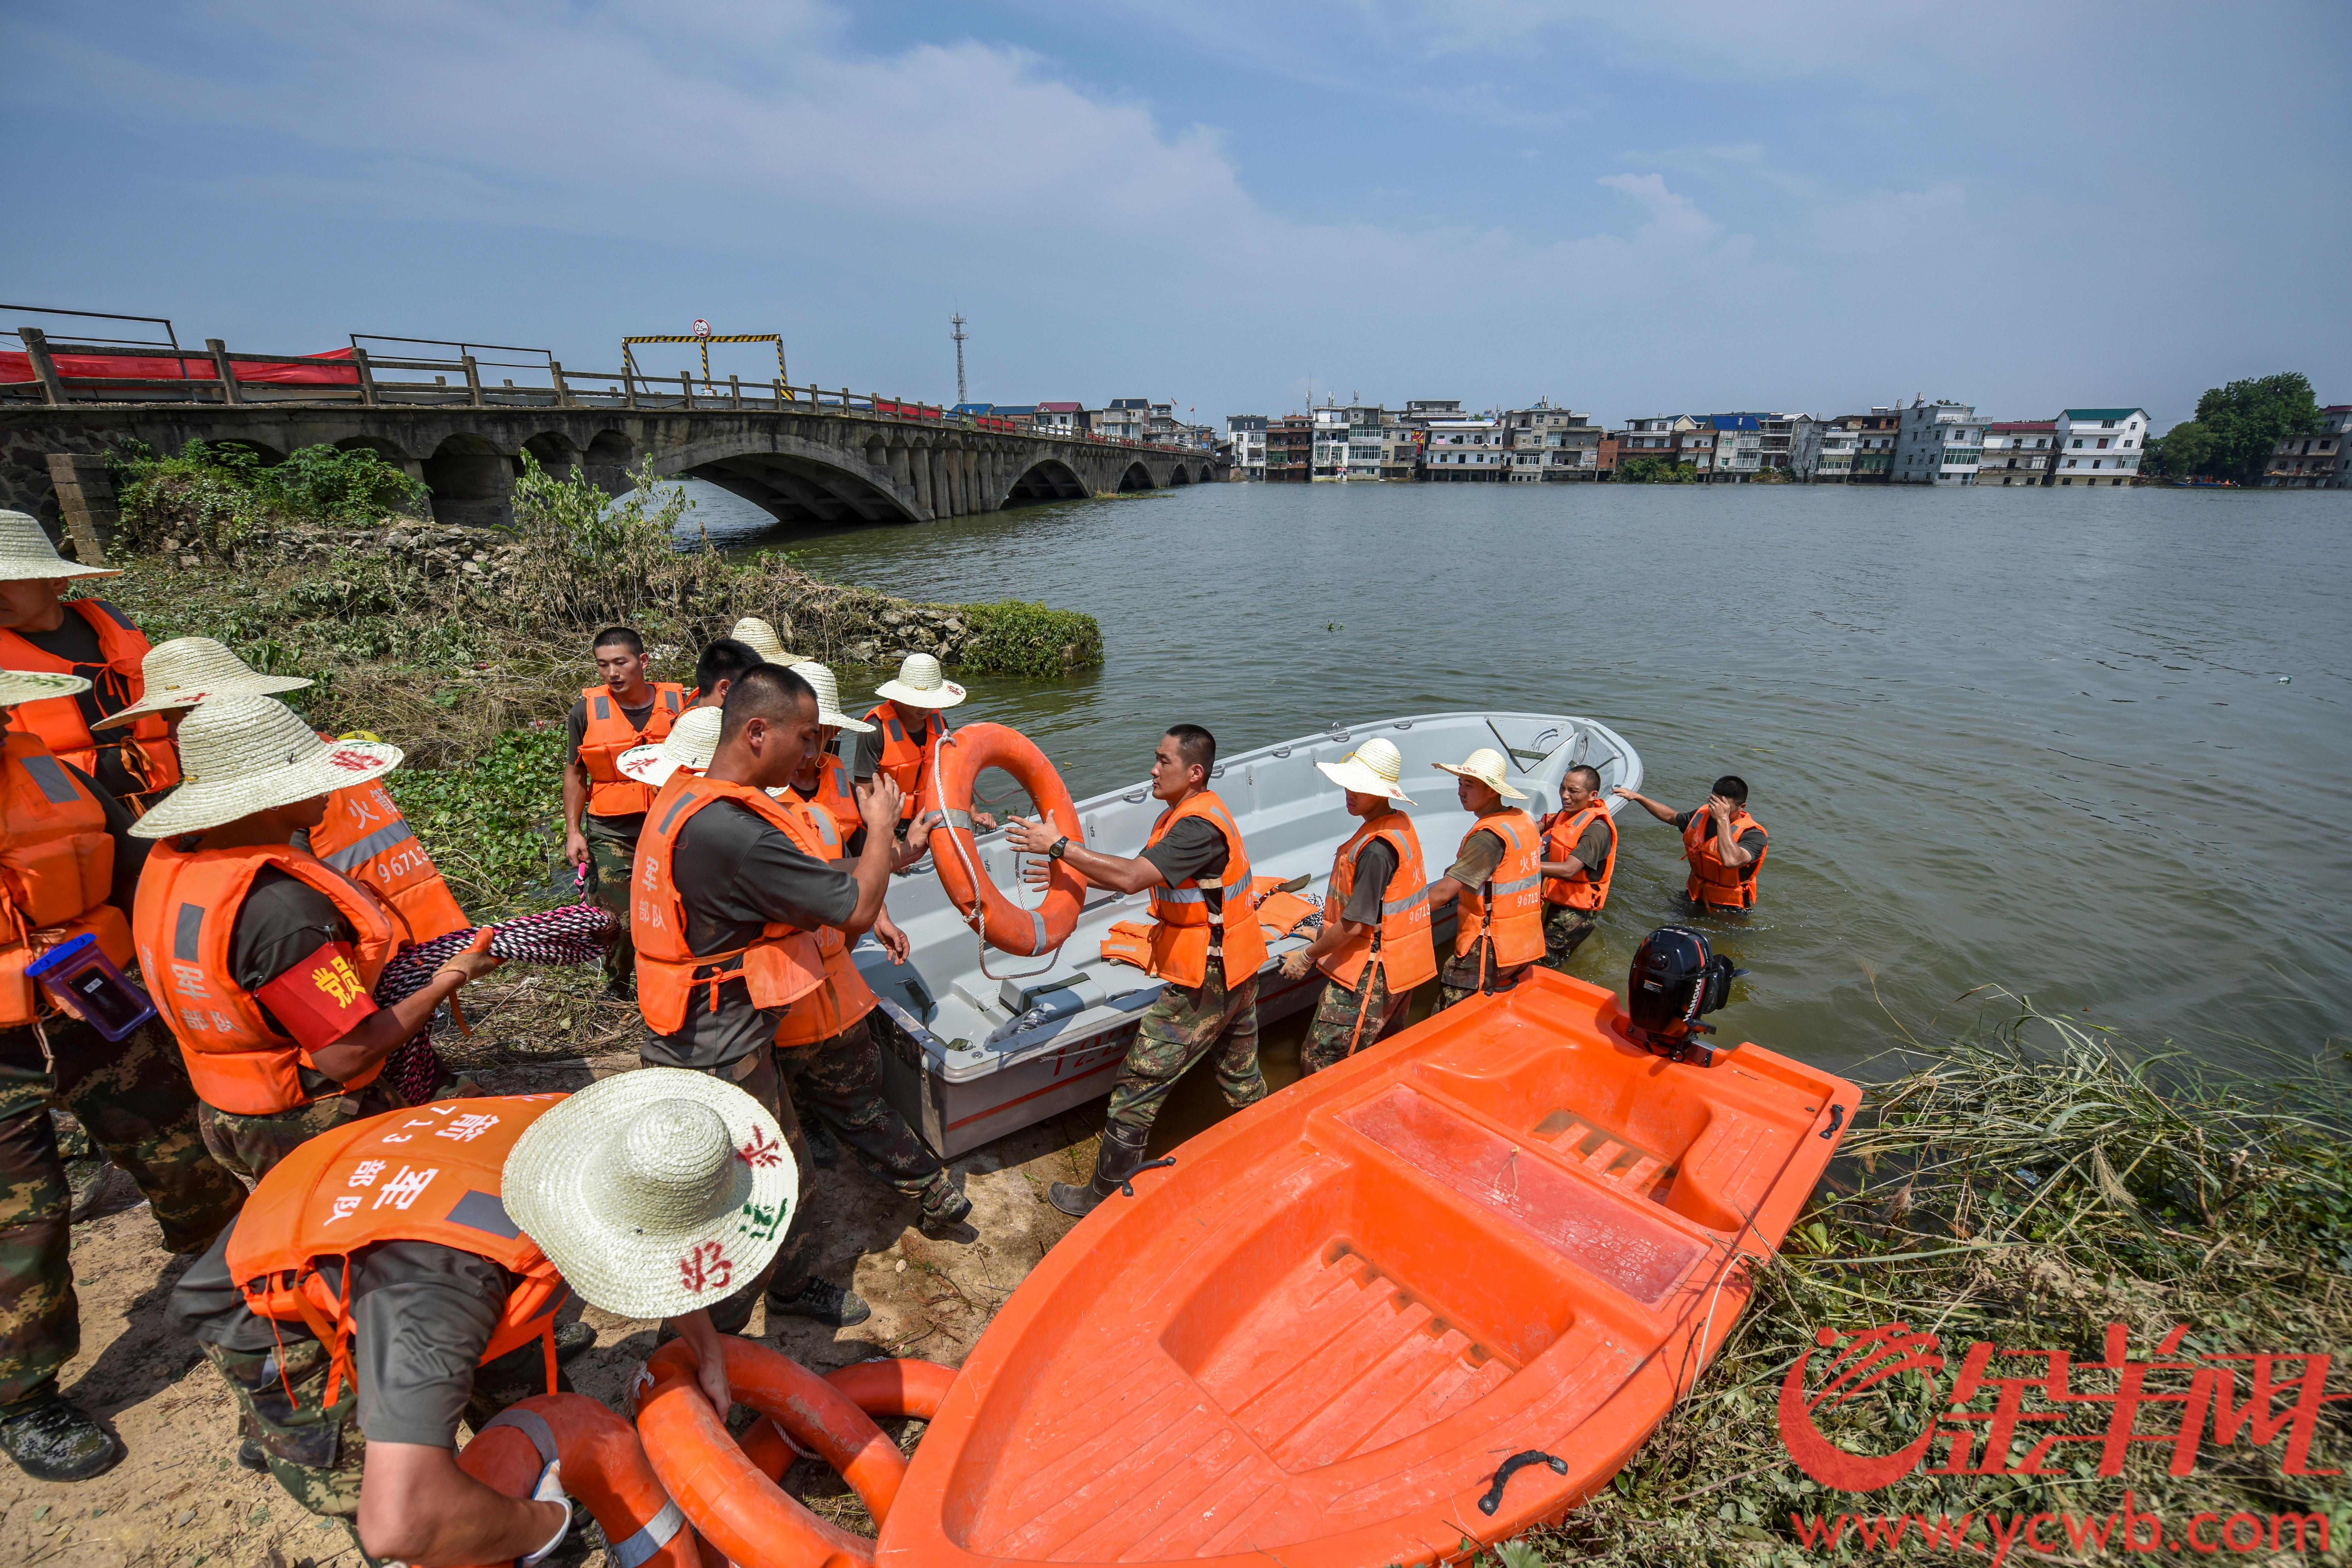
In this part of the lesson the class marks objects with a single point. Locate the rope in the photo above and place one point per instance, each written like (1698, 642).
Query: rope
(571, 933)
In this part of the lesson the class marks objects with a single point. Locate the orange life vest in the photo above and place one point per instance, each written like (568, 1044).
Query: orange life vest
(611, 791)
(116, 682)
(1588, 889)
(1713, 883)
(367, 839)
(184, 917)
(844, 997)
(836, 797)
(1183, 930)
(1510, 902)
(431, 1174)
(56, 871)
(780, 966)
(1407, 955)
(906, 756)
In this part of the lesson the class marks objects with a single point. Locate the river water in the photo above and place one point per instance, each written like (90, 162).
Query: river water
(2038, 740)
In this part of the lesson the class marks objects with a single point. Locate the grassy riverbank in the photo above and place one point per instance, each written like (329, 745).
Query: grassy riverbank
(2026, 1180)
(465, 646)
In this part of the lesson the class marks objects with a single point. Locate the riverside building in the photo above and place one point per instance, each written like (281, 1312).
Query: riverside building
(2018, 452)
(2100, 445)
(1247, 434)
(2319, 461)
(1939, 442)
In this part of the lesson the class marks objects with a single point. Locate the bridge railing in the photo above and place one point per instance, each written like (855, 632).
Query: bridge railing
(60, 374)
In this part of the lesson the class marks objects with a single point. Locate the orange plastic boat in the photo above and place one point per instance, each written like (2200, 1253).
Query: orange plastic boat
(1335, 1331)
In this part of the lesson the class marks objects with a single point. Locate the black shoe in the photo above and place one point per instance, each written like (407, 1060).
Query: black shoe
(821, 1301)
(1114, 1161)
(55, 1441)
(249, 1455)
(570, 1340)
(944, 1209)
(822, 1149)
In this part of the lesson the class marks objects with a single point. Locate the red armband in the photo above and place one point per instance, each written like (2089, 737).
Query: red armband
(320, 999)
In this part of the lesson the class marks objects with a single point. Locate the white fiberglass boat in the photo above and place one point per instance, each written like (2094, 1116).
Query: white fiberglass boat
(979, 1043)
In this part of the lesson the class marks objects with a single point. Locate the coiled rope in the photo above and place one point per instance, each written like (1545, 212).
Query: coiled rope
(571, 933)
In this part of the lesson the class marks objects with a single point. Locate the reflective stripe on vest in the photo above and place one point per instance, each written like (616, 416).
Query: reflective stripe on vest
(1401, 943)
(56, 872)
(1589, 889)
(352, 856)
(1505, 914)
(117, 680)
(1712, 882)
(1183, 927)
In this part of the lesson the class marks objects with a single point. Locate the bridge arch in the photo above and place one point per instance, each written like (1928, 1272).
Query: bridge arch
(1136, 477)
(800, 481)
(1048, 480)
(555, 452)
(472, 481)
(1177, 475)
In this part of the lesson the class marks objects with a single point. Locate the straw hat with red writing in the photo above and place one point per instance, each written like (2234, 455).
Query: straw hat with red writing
(37, 686)
(188, 670)
(691, 742)
(239, 756)
(27, 555)
(1372, 768)
(1483, 765)
(655, 1193)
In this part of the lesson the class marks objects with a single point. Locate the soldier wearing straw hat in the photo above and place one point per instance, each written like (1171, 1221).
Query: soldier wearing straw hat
(732, 888)
(435, 1246)
(68, 870)
(763, 640)
(364, 836)
(907, 725)
(829, 1058)
(263, 955)
(41, 630)
(1497, 875)
(1374, 946)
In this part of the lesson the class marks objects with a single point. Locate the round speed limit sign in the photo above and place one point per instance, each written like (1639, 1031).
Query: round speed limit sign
(701, 328)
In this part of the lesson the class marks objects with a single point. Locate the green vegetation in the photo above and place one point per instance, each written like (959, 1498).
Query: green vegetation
(1651, 469)
(2236, 429)
(2034, 1182)
(468, 654)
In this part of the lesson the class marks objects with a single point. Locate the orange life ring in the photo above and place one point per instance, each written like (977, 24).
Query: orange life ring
(605, 1466)
(722, 1493)
(1004, 924)
(879, 1387)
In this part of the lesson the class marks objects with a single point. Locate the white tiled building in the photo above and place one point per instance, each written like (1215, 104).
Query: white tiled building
(2100, 445)
(1247, 434)
(1939, 442)
(1465, 449)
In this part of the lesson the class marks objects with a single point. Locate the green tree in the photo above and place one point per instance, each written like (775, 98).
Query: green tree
(1655, 468)
(2239, 426)
(2183, 452)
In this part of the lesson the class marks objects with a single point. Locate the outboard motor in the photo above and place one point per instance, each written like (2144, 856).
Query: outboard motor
(1677, 977)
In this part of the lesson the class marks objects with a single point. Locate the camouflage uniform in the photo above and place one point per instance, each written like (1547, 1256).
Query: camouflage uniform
(1564, 929)
(1175, 1032)
(252, 1145)
(610, 863)
(1473, 973)
(841, 1080)
(316, 1451)
(1350, 1020)
(134, 1098)
(756, 1075)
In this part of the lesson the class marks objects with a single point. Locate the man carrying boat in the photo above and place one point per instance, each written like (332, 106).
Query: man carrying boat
(1375, 946)
(1206, 944)
(1724, 845)
(405, 1273)
(1496, 875)
(907, 726)
(1580, 860)
(68, 871)
(41, 630)
(732, 888)
(604, 810)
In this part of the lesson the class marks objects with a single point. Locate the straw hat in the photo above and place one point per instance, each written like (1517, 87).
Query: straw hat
(689, 744)
(828, 699)
(38, 685)
(763, 638)
(188, 670)
(1372, 768)
(648, 1184)
(27, 555)
(243, 754)
(921, 684)
(1486, 766)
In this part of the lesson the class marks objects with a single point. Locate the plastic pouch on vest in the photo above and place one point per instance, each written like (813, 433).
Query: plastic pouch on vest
(79, 975)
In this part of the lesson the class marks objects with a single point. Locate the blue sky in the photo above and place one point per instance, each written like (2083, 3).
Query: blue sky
(1631, 209)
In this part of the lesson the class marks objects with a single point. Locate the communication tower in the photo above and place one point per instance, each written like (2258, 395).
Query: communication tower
(959, 335)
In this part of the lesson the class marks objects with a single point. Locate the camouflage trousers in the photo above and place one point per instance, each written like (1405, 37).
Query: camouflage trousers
(316, 1450)
(756, 1075)
(1174, 1032)
(840, 1080)
(1348, 1019)
(1564, 931)
(612, 862)
(133, 1099)
(1473, 973)
(252, 1145)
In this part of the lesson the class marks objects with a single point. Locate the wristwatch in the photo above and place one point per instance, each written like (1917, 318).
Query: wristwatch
(1061, 846)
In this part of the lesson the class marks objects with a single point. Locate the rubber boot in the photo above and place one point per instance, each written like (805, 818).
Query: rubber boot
(1114, 1161)
(944, 1209)
(57, 1441)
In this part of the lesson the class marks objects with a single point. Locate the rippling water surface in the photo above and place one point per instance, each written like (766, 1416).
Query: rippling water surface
(2039, 739)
